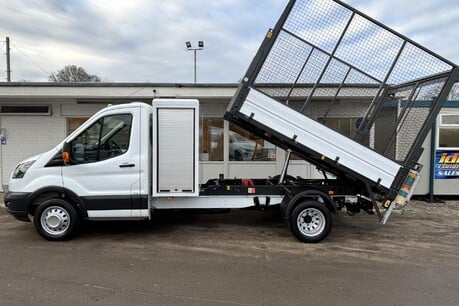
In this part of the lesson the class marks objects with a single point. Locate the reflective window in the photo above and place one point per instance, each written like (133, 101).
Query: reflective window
(74, 123)
(448, 138)
(346, 126)
(450, 119)
(104, 139)
(245, 146)
(211, 139)
(448, 131)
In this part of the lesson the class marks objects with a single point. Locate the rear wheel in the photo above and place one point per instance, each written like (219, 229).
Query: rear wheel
(310, 221)
(56, 219)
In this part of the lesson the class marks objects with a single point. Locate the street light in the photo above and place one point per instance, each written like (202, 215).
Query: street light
(189, 47)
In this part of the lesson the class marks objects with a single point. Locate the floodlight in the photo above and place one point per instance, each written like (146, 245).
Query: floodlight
(189, 47)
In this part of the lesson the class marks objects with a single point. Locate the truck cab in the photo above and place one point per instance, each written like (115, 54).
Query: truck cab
(105, 174)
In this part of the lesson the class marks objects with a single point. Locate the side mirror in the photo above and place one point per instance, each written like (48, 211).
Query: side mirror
(66, 152)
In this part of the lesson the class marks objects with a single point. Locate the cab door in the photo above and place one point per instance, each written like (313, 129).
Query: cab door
(104, 168)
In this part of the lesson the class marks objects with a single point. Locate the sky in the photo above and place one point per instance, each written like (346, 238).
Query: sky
(144, 40)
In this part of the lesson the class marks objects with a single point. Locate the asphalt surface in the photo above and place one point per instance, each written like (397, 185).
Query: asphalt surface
(241, 258)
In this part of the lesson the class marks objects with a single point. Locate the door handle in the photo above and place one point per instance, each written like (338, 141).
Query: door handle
(127, 165)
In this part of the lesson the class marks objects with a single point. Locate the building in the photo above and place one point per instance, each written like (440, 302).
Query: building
(35, 117)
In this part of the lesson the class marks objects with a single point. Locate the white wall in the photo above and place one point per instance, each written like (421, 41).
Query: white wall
(27, 136)
(422, 187)
(446, 187)
(30, 135)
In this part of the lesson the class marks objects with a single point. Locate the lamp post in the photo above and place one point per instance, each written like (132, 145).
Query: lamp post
(189, 47)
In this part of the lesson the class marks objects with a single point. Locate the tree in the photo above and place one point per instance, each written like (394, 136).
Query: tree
(72, 73)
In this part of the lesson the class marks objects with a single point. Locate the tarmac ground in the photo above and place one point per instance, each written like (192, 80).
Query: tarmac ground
(241, 258)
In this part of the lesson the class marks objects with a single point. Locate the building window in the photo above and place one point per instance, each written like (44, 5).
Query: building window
(25, 110)
(74, 123)
(211, 139)
(346, 126)
(245, 146)
(448, 131)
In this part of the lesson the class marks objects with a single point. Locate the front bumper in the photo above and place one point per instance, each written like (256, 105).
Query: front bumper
(16, 204)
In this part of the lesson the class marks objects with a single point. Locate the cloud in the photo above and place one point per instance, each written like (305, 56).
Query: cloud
(433, 24)
(141, 40)
(138, 40)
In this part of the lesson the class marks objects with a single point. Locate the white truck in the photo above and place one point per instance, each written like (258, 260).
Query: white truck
(130, 161)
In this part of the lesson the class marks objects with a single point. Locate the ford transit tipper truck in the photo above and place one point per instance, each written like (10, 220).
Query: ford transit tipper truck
(132, 160)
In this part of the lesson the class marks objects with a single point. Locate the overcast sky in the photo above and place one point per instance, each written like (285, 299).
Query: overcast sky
(144, 40)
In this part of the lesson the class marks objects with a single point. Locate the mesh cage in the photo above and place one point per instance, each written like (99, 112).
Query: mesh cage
(325, 51)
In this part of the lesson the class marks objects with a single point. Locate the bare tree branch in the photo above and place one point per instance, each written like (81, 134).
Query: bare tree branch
(72, 73)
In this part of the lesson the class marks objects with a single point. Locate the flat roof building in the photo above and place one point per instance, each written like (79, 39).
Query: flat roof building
(34, 117)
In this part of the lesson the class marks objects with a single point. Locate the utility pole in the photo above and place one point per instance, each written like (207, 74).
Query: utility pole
(8, 70)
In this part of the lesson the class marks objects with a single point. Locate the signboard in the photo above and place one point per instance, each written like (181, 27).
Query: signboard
(3, 141)
(447, 164)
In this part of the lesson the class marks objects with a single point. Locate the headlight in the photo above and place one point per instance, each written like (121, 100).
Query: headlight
(21, 169)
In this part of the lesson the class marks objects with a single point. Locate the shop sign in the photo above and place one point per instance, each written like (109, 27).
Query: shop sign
(447, 164)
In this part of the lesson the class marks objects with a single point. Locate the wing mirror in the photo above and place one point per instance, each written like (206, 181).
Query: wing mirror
(66, 153)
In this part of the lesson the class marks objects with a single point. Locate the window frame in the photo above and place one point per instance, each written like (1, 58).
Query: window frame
(250, 134)
(101, 121)
(440, 125)
(202, 118)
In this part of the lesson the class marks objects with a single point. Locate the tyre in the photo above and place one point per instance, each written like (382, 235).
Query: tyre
(56, 219)
(310, 221)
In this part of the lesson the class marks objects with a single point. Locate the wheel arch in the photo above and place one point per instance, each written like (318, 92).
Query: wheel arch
(50, 192)
(289, 203)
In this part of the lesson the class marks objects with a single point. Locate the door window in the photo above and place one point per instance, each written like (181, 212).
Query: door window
(106, 138)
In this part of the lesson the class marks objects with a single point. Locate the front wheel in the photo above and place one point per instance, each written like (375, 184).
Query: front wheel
(310, 221)
(56, 219)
